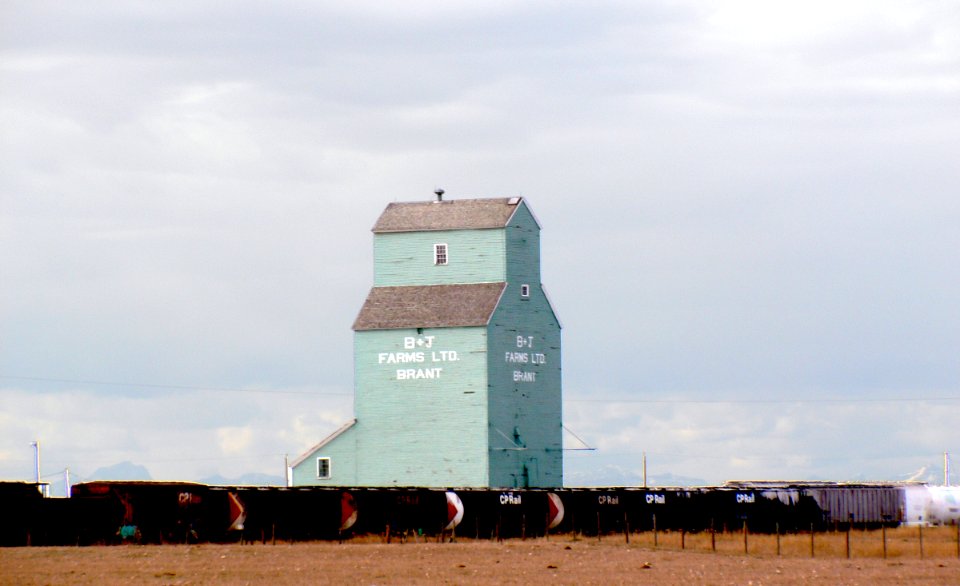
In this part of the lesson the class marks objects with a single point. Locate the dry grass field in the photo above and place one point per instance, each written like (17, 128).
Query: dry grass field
(901, 543)
(559, 560)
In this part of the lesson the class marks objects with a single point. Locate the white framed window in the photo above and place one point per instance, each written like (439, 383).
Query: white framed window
(525, 291)
(440, 256)
(323, 468)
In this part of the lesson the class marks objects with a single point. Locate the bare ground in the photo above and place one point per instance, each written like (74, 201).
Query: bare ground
(559, 561)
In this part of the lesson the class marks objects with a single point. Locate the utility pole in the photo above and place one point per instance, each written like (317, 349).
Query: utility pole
(644, 469)
(66, 482)
(36, 458)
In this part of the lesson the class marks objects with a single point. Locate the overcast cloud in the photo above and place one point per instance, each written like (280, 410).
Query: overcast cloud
(750, 222)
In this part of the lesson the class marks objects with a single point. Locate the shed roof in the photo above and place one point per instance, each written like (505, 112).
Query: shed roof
(429, 306)
(454, 214)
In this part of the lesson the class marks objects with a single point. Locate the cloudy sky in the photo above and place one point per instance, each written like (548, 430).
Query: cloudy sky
(750, 220)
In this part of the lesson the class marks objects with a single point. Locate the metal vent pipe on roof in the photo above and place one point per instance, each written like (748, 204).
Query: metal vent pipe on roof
(439, 193)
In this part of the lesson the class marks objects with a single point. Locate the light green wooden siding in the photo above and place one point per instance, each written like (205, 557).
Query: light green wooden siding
(422, 431)
(406, 258)
(343, 462)
(492, 416)
(525, 371)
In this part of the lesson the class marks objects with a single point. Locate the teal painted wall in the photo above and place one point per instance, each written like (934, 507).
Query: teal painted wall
(525, 400)
(448, 407)
(406, 258)
(522, 248)
(428, 415)
(342, 454)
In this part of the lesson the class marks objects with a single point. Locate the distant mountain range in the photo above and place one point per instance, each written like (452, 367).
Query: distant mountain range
(249, 479)
(617, 476)
(121, 471)
(136, 472)
(605, 476)
(131, 471)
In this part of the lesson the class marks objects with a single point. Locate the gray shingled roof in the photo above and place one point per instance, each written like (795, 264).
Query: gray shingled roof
(429, 306)
(454, 214)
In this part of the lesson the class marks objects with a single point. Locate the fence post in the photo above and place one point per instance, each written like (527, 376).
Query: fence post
(849, 525)
(920, 527)
(812, 546)
(626, 527)
(883, 531)
(745, 551)
(598, 526)
(683, 538)
(713, 537)
(777, 529)
(654, 530)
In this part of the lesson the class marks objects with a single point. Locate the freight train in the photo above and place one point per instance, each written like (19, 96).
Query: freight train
(180, 512)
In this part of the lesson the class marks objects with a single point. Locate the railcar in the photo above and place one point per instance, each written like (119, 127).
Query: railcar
(182, 512)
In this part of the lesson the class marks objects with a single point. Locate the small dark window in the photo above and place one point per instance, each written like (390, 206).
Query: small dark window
(524, 291)
(323, 467)
(439, 254)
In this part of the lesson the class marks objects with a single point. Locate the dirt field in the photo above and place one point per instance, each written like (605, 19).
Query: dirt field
(559, 561)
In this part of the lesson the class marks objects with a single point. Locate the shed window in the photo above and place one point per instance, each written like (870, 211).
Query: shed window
(323, 467)
(439, 254)
(525, 291)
